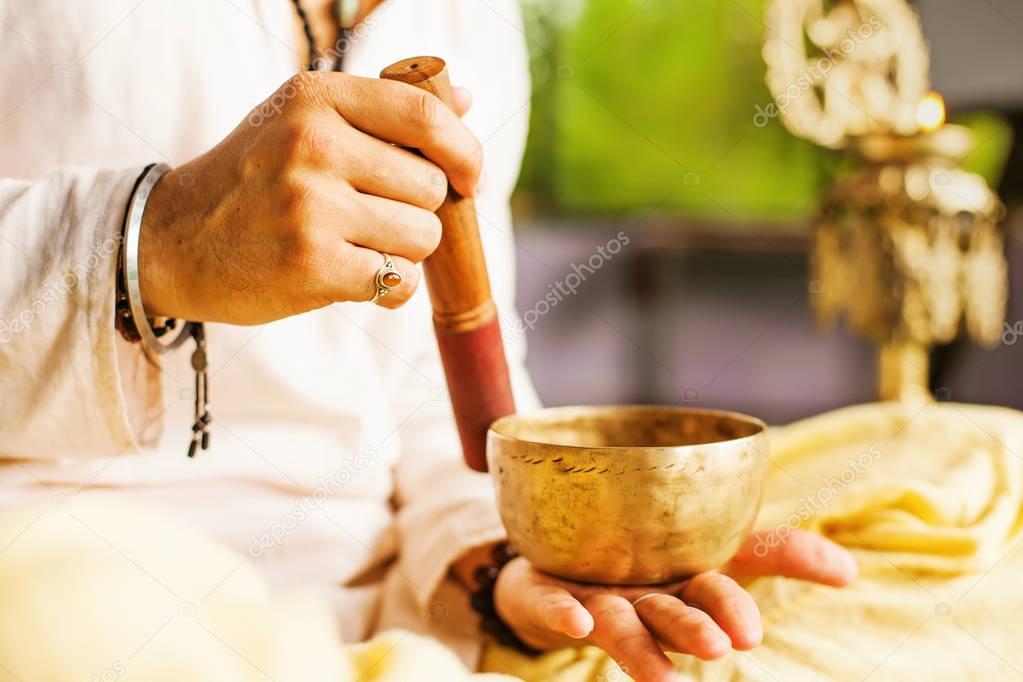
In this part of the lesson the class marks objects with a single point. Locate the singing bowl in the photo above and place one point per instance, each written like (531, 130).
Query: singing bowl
(628, 495)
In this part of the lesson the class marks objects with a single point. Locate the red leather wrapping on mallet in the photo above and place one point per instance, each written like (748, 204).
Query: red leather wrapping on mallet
(476, 372)
(464, 316)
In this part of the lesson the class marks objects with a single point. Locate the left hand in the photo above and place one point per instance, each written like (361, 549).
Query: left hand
(703, 616)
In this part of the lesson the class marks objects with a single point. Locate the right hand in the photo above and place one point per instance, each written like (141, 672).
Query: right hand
(293, 209)
(704, 616)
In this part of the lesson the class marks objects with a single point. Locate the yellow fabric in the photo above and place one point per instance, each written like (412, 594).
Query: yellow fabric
(94, 589)
(929, 499)
(402, 657)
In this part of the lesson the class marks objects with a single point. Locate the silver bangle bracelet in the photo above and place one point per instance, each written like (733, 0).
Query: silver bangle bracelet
(151, 345)
(132, 230)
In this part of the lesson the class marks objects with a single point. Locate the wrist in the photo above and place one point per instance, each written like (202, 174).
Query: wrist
(484, 599)
(466, 567)
(157, 252)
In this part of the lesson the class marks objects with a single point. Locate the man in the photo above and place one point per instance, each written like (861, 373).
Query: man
(334, 461)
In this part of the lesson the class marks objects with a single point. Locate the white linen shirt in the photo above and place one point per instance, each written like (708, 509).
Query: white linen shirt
(334, 460)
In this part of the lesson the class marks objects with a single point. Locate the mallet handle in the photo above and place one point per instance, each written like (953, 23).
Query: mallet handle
(464, 316)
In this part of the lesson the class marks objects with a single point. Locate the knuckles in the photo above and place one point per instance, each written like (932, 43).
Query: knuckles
(304, 256)
(608, 605)
(435, 190)
(433, 119)
(295, 196)
(417, 233)
(292, 143)
(472, 165)
(297, 88)
(301, 141)
(424, 112)
(301, 86)
(426, 235)
(409, 284)
(432, 233)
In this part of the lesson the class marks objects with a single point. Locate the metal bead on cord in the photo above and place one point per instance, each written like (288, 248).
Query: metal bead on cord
(130, 317)
(201, 426)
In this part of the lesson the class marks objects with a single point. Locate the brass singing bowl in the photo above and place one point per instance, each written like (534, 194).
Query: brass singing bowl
(628, 495)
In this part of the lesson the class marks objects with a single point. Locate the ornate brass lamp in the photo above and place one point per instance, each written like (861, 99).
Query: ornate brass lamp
(908, 248)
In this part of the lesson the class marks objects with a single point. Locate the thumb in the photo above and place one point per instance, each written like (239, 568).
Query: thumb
(554, 608)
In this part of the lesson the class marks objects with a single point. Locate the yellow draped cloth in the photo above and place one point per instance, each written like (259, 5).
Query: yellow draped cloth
(930, 499)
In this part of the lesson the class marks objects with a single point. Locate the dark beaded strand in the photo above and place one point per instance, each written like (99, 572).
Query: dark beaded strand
(201, 426)
(482, 600)
(126, 325)
(307, 29)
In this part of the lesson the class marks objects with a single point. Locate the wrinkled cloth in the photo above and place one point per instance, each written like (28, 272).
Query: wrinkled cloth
(930, 500)
(334, 460)
(98, 589)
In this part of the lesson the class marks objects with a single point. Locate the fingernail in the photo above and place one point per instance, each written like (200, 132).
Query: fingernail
(752, 636)
(717, 641)
(582, 625)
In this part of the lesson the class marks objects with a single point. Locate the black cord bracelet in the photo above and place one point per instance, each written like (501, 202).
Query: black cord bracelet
(482, 600)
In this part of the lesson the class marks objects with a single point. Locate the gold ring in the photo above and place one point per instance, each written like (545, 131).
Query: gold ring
(387, 278)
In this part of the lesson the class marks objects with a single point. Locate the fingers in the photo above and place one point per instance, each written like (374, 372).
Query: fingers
(541, 611)
(800, 554)
(554, 608)
(352, 277)
(731, 607)
(403, 114)
(376, 167)
(619, 631)
(682, 628)
(394, 227)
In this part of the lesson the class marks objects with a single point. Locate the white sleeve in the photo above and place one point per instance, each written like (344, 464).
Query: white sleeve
(60, 386)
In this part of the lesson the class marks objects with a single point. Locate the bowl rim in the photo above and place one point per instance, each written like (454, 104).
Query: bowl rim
(494, 429)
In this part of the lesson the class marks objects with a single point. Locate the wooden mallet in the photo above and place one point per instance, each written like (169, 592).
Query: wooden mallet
(464, 316)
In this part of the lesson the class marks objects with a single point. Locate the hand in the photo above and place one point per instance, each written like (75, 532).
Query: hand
(704, 616)
(292, 210)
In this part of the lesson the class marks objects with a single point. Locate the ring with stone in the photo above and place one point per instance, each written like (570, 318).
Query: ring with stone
(387, 278)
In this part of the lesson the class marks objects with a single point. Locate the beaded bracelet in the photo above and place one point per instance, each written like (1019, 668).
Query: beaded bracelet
(130, 318)
(482, 600)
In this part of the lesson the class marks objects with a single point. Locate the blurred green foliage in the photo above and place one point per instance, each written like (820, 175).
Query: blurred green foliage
(646, 105)
(992, 136)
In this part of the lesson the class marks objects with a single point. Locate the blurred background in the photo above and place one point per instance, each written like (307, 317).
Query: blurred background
(643, 121)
